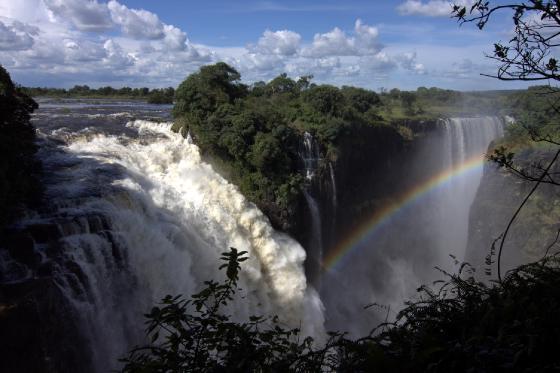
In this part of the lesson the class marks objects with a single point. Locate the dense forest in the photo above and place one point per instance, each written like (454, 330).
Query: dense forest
(153, 96)
(253, 133)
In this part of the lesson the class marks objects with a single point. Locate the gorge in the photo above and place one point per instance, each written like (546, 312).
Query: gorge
(133, 214)
(343, 210)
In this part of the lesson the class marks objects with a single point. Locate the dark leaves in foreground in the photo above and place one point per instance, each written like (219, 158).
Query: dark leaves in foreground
(461, 325)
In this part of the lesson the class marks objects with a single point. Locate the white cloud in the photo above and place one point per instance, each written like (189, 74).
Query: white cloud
(16, 36)
(378, 65)
(284, 42)
(86, 15)
(83, 51)
(28, 11)
(116, 57)
(67, 41)
(174, 38)
(336, 43)
(409, 62)
(366, 38)
(136, 23)
(432, 8)
(333, 43)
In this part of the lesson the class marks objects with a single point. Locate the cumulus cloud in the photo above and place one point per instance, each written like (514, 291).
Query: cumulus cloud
(116, 57)
(337, 43)
(331, 43)
(141, 24)
(16, 36)
(408, 61)
(83, 51)
(174, 38)
(86, 15)
(136, 23)
(284, 43)
(366, 38)
(431, 8)
(380, 63)
(70, 38)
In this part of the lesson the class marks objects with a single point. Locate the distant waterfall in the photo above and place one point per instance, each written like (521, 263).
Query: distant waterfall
(164, 218)
(333, 186)
(429, 222)
(311, 156)
(334, 199)
(315, 252)
(465, 138)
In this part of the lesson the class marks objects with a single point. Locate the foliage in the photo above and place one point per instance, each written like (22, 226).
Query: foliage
(529, 54)
(458, 325)
(196, 335)
(154, 96)
(253, 134)
(18, 167)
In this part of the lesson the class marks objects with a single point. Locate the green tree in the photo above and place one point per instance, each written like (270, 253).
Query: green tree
(408, 99)
(203, 92)
(361, 99)
(197, 335)
(281, 84)
(325, 99)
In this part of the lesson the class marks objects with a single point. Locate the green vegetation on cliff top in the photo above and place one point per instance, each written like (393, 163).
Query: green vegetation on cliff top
(153, 96)
(253, 134)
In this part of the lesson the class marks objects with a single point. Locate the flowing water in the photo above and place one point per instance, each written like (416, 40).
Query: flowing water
(164, 218)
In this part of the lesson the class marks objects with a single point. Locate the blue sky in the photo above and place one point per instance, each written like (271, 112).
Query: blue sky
(374, 44)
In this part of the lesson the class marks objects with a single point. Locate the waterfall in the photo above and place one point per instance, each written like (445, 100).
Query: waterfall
(315, 251)
(311, 156)
(465, 138)
(333, 186)
(189, 138)
(387, 265)
(334, 201)
(166, 217)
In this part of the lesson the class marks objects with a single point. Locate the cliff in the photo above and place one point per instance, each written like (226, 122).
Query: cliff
(499, 195)
(18, 166)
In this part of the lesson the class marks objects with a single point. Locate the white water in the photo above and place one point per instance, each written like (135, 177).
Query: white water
(172, 215)
(310, 155)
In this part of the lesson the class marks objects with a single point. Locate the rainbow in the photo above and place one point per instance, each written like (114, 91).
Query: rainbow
(384, 215)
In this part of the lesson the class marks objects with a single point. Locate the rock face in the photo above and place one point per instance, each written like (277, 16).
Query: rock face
(40, 328)
(369, 168)
(499, 195)
(18, 166)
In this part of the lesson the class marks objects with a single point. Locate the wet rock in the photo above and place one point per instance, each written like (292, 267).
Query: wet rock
(39, 333)
(44, 233)
(21, 247)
